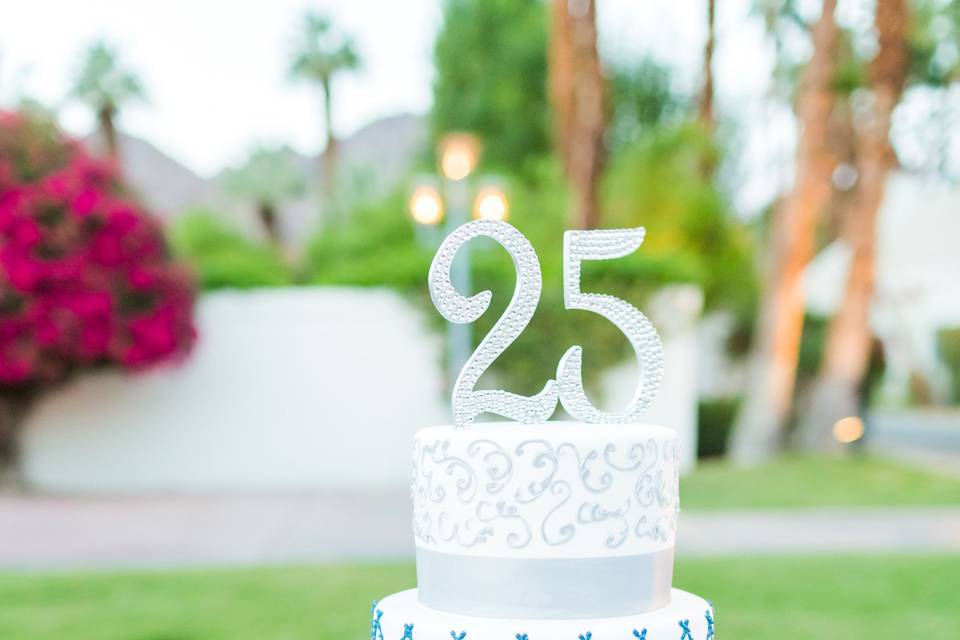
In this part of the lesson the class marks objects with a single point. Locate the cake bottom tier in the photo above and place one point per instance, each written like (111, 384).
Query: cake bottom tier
(402, 617)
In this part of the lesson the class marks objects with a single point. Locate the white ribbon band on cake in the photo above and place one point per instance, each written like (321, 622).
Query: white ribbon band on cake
(533, 588)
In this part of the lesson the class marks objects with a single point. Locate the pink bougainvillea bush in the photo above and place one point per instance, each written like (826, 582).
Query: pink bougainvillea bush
(86, 278)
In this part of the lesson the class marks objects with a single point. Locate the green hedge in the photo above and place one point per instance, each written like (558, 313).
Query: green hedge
(715, 419)
(948, 345)
(223, 258)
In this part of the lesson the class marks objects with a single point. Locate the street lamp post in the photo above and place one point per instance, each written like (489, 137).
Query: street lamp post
(458, 155)
(459, 335)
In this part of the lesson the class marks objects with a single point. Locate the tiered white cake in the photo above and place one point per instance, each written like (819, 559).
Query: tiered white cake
(544, 532)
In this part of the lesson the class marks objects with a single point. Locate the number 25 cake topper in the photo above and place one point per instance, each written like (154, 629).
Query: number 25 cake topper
(578, 246)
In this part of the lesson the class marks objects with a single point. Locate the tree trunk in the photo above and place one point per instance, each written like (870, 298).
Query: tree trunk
(267, 213)
(705, 111)
(577, 91)
(836, 390)
(13, 410)
(329, 178)
(762, 419)
(108, 131)
(705, 115)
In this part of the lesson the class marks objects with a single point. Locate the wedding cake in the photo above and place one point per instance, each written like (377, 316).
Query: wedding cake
(544, 530)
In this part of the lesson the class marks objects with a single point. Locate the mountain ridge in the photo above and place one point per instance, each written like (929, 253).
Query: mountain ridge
(381, 153)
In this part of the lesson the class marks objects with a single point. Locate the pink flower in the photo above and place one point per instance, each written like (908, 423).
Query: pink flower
(85, 275)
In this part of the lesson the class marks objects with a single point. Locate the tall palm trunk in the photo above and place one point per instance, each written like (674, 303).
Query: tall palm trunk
(577, 91)
(330, 153)
(773, 367)
(267, 213)
(108, 131)
(705, 111)
(705, 115)
(847, 354)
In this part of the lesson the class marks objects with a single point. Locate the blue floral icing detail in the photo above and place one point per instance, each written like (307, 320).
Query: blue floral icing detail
(710, 633)
(522, 636)
(456, 636)
(586, 637)
(376, 631)
(685, 627)
(407, 632)
(641, 635)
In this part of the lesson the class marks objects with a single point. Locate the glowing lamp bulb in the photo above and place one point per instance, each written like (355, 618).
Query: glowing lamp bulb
(847, 430)
(425, 206)
(457, 164)
(491, 205)
(459, 153)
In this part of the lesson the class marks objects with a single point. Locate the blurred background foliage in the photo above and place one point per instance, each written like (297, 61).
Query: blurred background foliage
(669, 161)
(223, 257)
(491, 69)
(692, 238)
(653, 178)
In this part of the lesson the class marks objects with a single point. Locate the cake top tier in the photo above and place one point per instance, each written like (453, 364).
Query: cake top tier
(549, 490)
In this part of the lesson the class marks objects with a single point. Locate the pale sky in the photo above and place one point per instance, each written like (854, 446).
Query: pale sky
(216, 70)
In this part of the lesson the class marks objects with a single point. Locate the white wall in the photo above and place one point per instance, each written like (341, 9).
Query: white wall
(917, 288)
(287, 389)
(290, 390)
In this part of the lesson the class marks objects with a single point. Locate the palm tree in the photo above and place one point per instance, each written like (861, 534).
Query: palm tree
(705, 108)
(104, 85)
(267, 179)
(773, 367)
(321, 53)
(849, 339)
(577, 92)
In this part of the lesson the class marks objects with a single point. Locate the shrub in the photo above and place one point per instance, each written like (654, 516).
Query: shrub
(86, 275)
(223, 257)
(86, 279)
(375, 247)
(714, 425)
(948, 344)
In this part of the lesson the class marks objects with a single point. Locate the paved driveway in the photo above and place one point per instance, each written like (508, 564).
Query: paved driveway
(66, 533)
(929, 439)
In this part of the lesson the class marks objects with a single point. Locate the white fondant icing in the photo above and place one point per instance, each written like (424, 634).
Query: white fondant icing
(554, 490)
(545, 587)
(404, 608)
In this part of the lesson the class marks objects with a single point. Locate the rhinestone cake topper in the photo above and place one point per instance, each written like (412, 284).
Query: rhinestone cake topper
(468, 403)
(578, 246)
(606, 244)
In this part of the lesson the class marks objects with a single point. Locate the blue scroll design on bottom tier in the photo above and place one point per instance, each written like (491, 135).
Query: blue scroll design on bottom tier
(376, 630)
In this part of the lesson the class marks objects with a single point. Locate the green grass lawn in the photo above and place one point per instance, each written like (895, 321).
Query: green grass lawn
(843, 598)
(807, 481)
